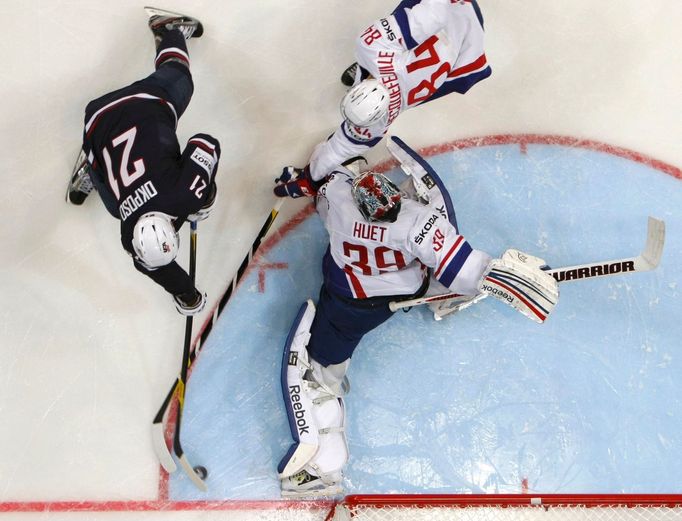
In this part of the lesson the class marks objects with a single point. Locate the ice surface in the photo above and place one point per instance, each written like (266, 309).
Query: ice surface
(90, 347)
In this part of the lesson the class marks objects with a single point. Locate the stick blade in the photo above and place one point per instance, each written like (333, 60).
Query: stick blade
(191, 473)
(161, 449)
(655, 240)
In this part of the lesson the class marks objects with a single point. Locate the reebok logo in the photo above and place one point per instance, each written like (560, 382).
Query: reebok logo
(494, 291)
(299, 411)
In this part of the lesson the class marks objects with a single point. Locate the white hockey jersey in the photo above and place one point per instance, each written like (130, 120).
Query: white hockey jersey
(422, 51)
(379, 259)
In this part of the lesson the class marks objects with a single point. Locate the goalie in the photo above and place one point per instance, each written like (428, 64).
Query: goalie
(383, 246)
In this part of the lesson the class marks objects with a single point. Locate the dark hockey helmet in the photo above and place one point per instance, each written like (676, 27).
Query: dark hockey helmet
(377, 198)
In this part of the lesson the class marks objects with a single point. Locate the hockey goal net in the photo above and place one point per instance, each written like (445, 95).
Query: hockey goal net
(491, 507)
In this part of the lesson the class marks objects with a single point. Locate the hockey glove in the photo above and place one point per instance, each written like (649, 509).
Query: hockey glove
(296, 182)
(191, 303)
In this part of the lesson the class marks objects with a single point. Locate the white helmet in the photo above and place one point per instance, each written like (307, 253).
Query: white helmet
(366, 103)
(155, 240)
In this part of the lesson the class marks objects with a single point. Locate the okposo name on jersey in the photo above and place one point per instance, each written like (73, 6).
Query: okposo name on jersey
(131, 203)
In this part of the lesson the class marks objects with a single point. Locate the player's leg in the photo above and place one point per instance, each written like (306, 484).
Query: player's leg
(172, 79)
(313, 466)
(172, 75)
(172, 62)
(340, 324)
(323, 342)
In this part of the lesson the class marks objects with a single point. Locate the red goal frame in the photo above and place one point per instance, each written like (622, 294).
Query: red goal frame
(508, 500)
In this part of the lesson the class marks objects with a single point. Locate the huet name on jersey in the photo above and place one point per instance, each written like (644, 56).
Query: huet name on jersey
(371, 232)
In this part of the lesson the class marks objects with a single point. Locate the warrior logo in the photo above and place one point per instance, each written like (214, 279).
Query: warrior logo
(595, 271)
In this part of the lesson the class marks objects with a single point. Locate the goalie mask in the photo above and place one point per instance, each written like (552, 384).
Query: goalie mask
(155, 240)
(366, 104)
(377, 198)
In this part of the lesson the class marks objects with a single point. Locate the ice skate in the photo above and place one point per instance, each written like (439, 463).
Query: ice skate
(307, 485)
(161, 21)
(80, 184)
(348, 76)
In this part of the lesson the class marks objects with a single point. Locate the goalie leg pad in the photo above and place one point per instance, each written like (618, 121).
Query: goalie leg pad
(298, 404)
(316, 413)
(322, 475)
(332, 377)
(524, 286)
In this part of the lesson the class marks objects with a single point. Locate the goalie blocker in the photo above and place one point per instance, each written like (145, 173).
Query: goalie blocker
(313, 465)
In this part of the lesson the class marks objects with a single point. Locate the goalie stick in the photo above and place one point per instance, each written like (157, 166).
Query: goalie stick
(158, 430)
(646, 261)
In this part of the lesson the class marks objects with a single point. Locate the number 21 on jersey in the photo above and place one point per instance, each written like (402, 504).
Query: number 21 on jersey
(126, 175)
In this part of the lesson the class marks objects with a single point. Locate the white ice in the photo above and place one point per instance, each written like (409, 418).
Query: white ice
(89, 347)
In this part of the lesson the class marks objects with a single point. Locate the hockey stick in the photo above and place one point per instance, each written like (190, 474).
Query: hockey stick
(182, 381)
(158, 430)
(646, 261)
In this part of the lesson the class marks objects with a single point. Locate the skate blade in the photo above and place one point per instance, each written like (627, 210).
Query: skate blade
(155, 11)
(76, 167)
(332, 491)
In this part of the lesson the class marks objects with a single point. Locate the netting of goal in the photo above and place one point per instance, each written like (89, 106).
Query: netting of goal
(551, 507)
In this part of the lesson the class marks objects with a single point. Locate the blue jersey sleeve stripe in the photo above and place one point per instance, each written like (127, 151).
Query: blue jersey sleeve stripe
(453, 268)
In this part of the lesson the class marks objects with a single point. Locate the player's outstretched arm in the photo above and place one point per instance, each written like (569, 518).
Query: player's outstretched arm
(297, 182)
(197, 185)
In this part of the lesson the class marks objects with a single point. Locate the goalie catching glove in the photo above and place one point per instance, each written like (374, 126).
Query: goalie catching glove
(518, 279)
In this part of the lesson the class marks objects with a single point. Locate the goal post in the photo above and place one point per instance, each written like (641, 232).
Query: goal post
(513, 507)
